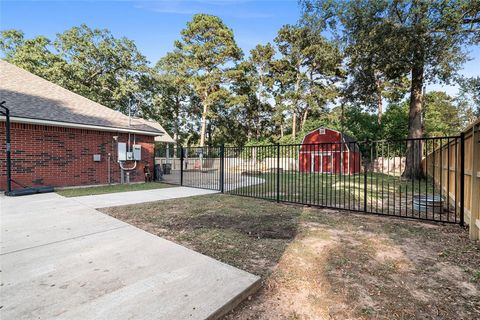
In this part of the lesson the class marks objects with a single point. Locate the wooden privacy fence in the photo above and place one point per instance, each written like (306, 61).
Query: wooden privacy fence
(442, 165)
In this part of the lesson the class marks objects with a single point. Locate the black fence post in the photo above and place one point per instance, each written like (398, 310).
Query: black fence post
(462, 178)
(8, 150)
(181, 166)
(278, 172)
(365, 174)
(222, 168)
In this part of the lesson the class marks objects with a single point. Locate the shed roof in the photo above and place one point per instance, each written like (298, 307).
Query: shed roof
(345, 138)
(30, 97)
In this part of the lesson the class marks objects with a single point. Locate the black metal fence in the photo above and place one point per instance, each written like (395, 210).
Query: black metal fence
(383, 177)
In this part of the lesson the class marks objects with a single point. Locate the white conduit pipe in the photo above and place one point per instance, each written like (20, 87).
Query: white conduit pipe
(120, 162)
(127, 169)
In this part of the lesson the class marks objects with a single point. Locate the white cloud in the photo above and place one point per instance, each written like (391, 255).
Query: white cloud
(231, 8)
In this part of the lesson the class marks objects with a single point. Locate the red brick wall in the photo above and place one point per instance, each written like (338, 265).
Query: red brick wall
(55, 156)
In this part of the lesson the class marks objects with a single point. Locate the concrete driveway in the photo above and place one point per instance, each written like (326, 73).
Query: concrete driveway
(132, 197)
(61, 259)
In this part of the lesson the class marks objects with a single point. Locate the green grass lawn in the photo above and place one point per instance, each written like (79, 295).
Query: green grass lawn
(77, 192)
(329, 190)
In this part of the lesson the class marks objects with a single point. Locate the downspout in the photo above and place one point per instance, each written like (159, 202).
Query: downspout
(109, 156)
(6, 113)
(115, 139)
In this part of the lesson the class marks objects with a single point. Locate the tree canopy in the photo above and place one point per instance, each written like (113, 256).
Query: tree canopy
(90, 62)
(390, 39)
(209, 56)
(360, 67)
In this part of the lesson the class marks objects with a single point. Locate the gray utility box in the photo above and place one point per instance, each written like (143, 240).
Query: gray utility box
(122, 151)
(124, 154)
(97, 158)
(137, 152)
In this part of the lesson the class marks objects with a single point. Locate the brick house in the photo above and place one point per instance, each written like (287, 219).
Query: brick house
(59, 138)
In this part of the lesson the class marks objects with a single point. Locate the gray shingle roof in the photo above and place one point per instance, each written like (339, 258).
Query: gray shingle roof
(166, 138)
(30, 96)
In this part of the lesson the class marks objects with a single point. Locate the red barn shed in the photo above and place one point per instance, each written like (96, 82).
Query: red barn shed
(329, 151)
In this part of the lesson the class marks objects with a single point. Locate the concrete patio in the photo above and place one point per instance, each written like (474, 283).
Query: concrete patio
(133, 197)
(62, 259)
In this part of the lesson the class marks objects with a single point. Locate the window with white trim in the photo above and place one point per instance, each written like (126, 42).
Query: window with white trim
(321, 130)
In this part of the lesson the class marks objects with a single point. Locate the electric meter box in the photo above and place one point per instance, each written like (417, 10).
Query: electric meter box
(129, 155)
(137, 152)
(122, 151)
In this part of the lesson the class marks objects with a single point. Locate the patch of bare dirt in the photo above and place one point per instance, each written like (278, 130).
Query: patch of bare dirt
(366, 267)
(298, 288)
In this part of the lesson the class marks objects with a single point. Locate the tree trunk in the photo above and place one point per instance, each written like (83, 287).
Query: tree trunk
(209, 134)
(379, 100)
(177, 117)
(204, 128)
(176, 133)
(295, 106)
(413, 161)
(380, 109)
(294, 124)
(304, 120)
(204, 124)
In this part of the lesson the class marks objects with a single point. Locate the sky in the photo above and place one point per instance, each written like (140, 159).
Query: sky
(155, 24)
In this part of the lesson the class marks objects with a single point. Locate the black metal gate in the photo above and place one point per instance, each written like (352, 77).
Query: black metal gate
(413, 178)
(196, 167)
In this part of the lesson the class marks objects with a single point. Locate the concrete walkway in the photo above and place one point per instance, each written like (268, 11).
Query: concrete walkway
(211, 179)
(132, 197)
(61, 259)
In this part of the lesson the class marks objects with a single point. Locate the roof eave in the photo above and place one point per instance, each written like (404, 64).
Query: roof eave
(165, 139)
(80, 126)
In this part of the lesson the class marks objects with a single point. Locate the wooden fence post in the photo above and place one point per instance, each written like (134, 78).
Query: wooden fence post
(474, 208)
(462, 179)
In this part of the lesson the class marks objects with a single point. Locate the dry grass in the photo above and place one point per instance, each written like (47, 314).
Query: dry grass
(324, 264)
